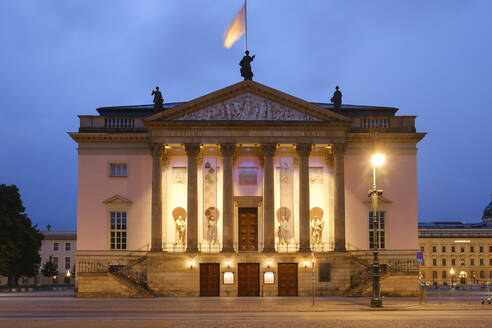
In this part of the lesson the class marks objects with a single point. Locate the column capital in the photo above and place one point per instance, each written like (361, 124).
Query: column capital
(303, 149)
(338, 149)
(192, 149)
(269, 149)
(157, 150)
(227, 150)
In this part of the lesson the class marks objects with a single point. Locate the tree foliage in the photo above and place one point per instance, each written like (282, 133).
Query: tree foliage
(49, 269)
(19, 239)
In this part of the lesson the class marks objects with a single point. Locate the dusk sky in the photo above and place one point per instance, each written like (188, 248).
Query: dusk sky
(60, 59)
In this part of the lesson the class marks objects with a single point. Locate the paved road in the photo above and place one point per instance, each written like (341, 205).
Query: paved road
(234, 312)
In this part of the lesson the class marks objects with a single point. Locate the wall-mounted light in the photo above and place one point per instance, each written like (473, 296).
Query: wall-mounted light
(68, 274)
(268, 264)
(190, 263)
(167, 147)
(306, 264)
(228, 263)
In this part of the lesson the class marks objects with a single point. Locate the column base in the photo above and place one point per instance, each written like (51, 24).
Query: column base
(156, 249)
(268, 250)
(376, 303)
(227, 250)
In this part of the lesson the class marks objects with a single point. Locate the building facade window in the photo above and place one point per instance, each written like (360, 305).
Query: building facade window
(56, 247)
(118, 170)
(434, 262)
(443, 262)
(381, 235)
(453, 262)
(434, 249)
(490, 261)
(55, 261)
(481, 261)
(482, 275)
(68, 246)
(472, 249)
(421, 248)
(444, 274)
(443, 249)
(481, 249)
(462, 262)
(67, 262)
(490, 249)
(118, 230)
(472, 262)
(490, 275)
(462, 249)
(453, 249)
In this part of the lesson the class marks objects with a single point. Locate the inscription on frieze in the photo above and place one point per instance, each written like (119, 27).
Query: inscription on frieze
(247, 107)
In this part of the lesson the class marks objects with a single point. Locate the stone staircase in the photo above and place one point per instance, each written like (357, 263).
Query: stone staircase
(133, 279)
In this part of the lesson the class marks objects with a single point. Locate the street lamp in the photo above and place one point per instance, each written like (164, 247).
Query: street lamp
(452, 277)
(374, 193)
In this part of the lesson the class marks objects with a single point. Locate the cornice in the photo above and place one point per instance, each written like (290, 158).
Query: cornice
(110, 137)
(385, 137)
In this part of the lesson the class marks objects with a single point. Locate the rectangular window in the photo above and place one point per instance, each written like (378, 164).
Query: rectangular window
(434, 262)
(462, 262)
(490, 261)
(453, 262)
(118, 230)
(443, 262)
(443, 249)
(482, 275)
(68, 246)
(434, 249)
(380, 227)
(481, 249)
(118, 170)
(481, 261)
(462, 249)
(490, 249)
(56, 247)
(453, 249)
(55, 261)
(472, 249)
(67, 262)
(472, 262)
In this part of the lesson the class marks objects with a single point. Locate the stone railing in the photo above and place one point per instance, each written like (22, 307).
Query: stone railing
(119, 123)
(89, 123)
(390, 123)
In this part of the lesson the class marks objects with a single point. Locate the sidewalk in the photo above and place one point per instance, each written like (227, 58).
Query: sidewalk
(42, 293)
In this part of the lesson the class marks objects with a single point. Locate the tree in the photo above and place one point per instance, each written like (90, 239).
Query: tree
(19, 239)
(49, 269)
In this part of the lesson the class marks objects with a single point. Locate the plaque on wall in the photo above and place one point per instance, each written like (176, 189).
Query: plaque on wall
(268, 278)
(324, 272)
(228, 278)
(248, 176)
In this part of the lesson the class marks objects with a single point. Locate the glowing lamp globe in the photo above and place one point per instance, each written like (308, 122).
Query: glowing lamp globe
(378, 159)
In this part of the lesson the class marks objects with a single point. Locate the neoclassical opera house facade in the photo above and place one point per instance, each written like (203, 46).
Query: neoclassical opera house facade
(231, 193)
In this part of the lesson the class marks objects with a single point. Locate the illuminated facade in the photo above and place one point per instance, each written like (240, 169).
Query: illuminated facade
(246, 180)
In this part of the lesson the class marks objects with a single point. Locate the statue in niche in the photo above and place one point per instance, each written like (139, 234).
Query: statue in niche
(317, 225)
(179, 215)
(212, 215)
(283, 217)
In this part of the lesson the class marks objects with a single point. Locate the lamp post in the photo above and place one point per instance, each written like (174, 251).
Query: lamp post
(452, 277)
(374, 193)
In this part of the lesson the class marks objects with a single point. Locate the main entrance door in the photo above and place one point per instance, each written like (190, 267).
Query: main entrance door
(248, 278)
(248, 229)
(287, 279)
(209, 279)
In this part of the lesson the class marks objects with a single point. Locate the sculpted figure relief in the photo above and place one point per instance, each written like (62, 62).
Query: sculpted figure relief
(317, 225)
(247, 107)
(283, 217)
(212, 215)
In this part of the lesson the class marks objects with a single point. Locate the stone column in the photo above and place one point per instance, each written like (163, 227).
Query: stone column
(268, 198)
(228, 202)
(157, 152)
(339, 196)
(192, 150)
(303, 151)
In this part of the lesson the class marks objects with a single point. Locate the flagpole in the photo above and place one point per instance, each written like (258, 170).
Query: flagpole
(246, 23)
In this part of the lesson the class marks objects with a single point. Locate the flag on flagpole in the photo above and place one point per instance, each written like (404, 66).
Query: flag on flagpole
(236, 29)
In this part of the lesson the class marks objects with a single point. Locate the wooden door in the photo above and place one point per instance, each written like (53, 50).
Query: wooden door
(287, 279)
(248, 229)
(248, 278)
(209, 279)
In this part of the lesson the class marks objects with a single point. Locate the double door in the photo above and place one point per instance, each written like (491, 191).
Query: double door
(248, 229)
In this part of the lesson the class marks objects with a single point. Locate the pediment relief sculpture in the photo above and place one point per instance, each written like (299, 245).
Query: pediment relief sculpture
(247, 107)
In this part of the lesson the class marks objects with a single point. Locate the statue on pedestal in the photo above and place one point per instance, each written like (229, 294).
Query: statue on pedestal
(283, 216)
(246, 66)
(179, 215)
(316, 230)
(158, 100)
(337, 98)
(212, 215)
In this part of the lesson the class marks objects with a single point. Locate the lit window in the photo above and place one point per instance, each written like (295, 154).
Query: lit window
(68, 246)
(379, 227)
(462, 262)
(56, 247)
(118, 230)
(118, 170)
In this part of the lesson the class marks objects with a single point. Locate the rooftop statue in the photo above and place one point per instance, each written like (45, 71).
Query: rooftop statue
(246, 66)
(337, 99)
(158, 100)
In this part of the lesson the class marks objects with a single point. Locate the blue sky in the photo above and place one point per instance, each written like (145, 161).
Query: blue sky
(59, 59)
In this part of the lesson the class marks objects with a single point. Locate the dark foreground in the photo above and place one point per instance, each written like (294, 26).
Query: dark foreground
(239, 312)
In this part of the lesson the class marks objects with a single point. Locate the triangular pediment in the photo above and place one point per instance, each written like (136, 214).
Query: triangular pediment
(381, 201)
(248, 101)
(117, 200)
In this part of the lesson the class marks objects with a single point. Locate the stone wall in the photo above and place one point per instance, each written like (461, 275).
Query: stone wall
(101, 285)
(397, 284)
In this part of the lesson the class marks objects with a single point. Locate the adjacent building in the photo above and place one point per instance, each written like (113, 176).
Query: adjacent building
(230, 193)
(457, 253)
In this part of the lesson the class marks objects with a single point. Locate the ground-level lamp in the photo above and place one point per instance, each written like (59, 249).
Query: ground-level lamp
(374, 193)
(452, 272)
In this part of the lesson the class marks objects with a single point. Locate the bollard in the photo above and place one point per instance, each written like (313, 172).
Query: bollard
(439, 295)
